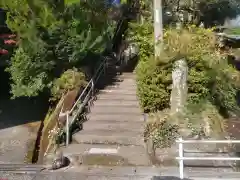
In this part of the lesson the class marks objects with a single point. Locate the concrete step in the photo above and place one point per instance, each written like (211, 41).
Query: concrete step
(105, 118)
(115, 97)
(21, 167)
(130, 74)
(119, 86)
(120, 103)
(122, 74)
(119, 139)
(123, 84)
(112, 132)
(127, 80)
(115, 110)
(118, 91)
(113, 126)
(124, 80)
(105, 155)
(120, 79)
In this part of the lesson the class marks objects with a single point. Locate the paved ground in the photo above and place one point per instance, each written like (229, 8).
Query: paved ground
(14, 144)
(124, 173)
(19, 122)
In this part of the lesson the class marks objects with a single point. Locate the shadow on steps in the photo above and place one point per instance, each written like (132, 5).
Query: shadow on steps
(113, 73)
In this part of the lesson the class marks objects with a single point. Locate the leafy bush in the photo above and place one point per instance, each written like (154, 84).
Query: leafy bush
(69, 80)
(204, 119)
(212, 83)
(160, 130)
(142, 34)
(210, 76)
(52, 37)
(153, 86)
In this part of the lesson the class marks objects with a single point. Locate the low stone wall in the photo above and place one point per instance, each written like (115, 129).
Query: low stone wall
(52, 120)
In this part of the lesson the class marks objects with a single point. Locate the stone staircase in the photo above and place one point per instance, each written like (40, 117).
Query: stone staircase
(113, 133)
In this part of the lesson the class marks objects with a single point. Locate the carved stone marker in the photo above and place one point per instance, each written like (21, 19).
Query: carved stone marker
(179, 87)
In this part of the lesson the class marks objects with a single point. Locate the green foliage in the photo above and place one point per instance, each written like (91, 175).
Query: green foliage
(215, 12)
(31, 78)
(212, 82)
(153, 86)
(69, 80)
(52, 37)
(142, 34)
(160, 130)
(232, 31)
(69, 2)
(203, 119)
(210, 76)
(210, 12)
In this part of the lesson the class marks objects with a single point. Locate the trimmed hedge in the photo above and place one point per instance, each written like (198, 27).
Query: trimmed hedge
(210, 76)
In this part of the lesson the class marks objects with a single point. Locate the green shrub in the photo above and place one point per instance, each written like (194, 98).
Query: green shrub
(160, 130)
(153, 86)
(51, 38)
(204, 119)
(210, 76)
(142, 35)
(69, 80)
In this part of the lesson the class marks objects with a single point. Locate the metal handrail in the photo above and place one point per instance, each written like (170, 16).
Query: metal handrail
(83, 98)
(98, 71)
(88, 90)
(181, 157)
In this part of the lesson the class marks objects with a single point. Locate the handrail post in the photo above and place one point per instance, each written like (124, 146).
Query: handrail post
(67, 128)
(104, 67)
(92, 88)
(180, 151)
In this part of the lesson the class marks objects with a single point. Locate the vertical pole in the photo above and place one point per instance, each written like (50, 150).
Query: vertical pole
(67, 129)
(104, 67)
(144, 117)
(158, 26)
(93, 85)
(181, 165)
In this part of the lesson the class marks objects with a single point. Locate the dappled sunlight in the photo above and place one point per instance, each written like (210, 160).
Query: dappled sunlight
(20, 111)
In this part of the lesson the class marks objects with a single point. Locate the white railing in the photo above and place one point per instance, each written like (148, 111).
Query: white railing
(87, 93)
(83, 99)
(181, 157)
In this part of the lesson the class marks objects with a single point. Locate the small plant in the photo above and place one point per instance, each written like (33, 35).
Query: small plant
(54, 135)
(159, 130)
(70, 80)
(204, 120)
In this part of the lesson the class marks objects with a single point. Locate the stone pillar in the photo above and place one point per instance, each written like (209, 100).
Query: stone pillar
(179, 87)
